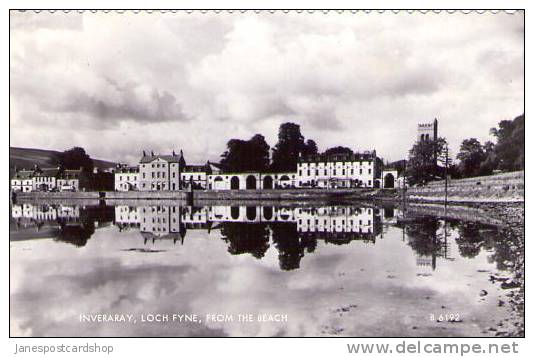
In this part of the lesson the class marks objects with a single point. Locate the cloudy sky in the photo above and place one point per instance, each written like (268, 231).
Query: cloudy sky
(116, 84)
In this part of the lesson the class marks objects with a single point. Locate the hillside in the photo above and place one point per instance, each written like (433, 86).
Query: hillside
(28, 158)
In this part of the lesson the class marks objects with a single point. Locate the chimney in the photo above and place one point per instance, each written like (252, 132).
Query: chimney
(152, 153)
(144, 153)
(173, 153)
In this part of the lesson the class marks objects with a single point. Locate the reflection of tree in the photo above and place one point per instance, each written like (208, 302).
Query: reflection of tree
(77, 234)
(505, 252)
(246, 238)
(469, 240)
(290, 248)
(423, 239)
(80, 232)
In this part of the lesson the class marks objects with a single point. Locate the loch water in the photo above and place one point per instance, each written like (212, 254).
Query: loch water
(292, 270)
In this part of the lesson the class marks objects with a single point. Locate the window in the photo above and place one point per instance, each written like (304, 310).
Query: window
(370, 170)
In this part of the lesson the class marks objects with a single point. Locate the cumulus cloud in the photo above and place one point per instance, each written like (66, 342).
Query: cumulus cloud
(358, 80)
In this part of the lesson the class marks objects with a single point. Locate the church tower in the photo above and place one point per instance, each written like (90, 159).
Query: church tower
(427, 131)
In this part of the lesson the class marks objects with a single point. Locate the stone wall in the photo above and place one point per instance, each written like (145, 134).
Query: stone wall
(56, 195)
(506, 187)
(149, 195)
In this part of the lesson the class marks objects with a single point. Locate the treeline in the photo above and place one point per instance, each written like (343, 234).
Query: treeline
(428, 160)
(507, 154)
(75, 159)
(254, 154)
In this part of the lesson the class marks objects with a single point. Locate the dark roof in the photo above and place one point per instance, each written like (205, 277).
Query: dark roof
(365, 156)
(23, 174)
(169, 158)
(47, 172)
(127, 169)
(71, 174)
(195, 168)
(170, 236)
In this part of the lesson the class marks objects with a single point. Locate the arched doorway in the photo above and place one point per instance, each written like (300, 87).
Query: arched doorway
(218, 183)
(251, 213)
(284, 181)
(268, 213)
(267, 183)
(234, 183)
(234, 212)
(251, 183)
(389, 181)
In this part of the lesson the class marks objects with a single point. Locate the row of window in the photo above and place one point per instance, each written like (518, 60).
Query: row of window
(325, 221)
(336, 172)
(329, 164)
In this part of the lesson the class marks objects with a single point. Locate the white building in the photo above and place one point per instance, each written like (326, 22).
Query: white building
(160, 172)
(22, 181)
(45, 179)
(126, 178)
(195, 175)
(69, 180)
(338, 170)
(252, 181)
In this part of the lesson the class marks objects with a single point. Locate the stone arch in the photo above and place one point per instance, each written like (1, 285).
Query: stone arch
(251, 213)
(389, 181)
(234, 183)
(234, 212)
(251, 182)
(268, 213)
(268, 183)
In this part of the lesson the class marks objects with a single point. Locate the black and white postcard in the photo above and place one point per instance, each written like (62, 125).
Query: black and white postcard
(266, 173)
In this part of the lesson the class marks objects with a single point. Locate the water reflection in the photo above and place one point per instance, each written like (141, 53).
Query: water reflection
(359, 261)
(66, 223)
(292, 231)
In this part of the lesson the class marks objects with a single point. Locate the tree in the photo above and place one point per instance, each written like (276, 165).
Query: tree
(246, 155)
(290, 145)
(75, 159)
(471, 157)
(310, 148)
(510, 146)
(338, 150)
(422, 163)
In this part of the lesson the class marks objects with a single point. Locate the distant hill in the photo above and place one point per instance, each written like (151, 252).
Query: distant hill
(28, 158)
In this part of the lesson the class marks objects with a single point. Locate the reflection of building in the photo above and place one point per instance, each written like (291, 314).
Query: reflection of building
(160, 221)
(335, 219)
(127, 216)
(337, 170)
